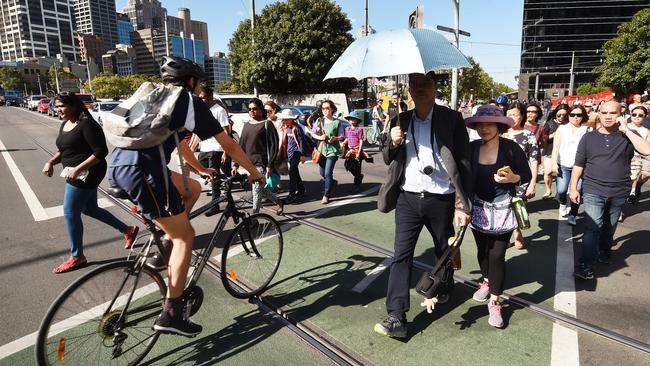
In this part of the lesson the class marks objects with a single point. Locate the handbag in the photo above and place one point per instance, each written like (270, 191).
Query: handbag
(441, 278)
(493, 217)
(317, 154)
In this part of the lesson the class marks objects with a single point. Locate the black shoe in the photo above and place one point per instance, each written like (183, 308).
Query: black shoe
(605, 258)
(392, 327)
(443, 298)
(213, 211)
(632, 199)
(584, 273)
(290, 199)
(176, 325)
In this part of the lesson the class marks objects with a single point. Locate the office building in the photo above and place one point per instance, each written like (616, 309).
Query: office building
(144, 52)
(119, 61)
(90, 45)
(124, 29)
(36, 29)
(557, 35)
(97, 17)
(145, 14)
(217, 69)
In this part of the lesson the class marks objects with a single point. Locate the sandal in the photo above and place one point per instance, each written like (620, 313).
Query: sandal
(73, 263)
(130, 236)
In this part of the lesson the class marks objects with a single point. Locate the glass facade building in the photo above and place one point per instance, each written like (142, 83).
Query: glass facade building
(217, 69)
(124, 29)
(556, 34)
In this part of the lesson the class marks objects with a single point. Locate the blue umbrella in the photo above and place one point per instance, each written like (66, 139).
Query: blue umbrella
(397, 52)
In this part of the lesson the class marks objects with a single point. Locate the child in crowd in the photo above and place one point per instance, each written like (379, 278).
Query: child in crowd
(354, 141)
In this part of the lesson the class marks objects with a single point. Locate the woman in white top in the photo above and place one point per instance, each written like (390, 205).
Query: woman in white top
(640, 163)
(565, 146)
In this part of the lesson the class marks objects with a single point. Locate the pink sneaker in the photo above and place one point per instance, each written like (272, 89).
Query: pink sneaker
(495, 320)
(130, 236)
(483, 292)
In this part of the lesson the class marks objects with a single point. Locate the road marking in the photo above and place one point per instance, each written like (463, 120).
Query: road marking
(337, 204)
(362, 285)
(75, 320)
(39, 212)
(564, 345)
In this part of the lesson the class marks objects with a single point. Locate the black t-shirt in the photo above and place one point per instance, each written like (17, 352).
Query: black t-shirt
(85, 139)
(260, 143)
(203, 124)
(509, 154)
(606, 161)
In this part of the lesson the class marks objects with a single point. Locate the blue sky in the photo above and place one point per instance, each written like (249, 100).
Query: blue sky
(495, 25)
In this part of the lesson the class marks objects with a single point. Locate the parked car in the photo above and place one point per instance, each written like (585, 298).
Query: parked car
(13, 101)
(43, 105)
(237, 106)
(99, 109)
(51, 108)
(88, 99)
(32, 102)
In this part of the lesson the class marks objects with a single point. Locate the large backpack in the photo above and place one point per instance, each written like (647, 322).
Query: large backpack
(142, 121)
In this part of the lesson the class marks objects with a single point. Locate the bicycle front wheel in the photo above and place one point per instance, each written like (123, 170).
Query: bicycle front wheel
(251, 256)
(105, 317)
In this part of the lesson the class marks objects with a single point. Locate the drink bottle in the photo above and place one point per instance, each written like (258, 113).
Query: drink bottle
(519, 206)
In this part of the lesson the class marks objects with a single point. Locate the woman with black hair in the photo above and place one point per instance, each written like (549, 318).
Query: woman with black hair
(82, 151)
(558, 117)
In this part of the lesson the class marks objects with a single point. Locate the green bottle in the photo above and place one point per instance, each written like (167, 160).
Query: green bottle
(519, 206)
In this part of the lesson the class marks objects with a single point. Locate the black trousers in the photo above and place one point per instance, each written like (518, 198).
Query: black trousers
(491, 255)
(412, 212)
(212, 159)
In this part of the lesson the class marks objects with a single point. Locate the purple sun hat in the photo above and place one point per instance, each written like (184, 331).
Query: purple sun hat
(489, 114)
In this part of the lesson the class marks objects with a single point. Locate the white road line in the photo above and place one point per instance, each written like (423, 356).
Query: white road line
(38, 212)
(372, 276)
(564, 346)
(76, 320)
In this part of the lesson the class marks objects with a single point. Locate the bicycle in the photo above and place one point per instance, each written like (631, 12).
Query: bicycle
(107, 315)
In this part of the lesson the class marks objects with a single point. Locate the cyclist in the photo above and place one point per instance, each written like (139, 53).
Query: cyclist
(141, 174)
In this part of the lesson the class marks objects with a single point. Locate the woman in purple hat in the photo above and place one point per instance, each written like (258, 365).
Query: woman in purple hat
(499, 165)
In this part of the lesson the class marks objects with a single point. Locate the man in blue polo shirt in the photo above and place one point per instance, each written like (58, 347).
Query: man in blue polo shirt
(603, 161)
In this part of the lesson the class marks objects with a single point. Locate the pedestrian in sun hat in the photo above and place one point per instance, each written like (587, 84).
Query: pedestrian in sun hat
(499, 165)
(354, 137)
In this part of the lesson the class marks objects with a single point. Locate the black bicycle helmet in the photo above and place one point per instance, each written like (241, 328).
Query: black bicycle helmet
(178, 68)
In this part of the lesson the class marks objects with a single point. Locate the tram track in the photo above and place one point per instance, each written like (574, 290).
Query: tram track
(339, 353)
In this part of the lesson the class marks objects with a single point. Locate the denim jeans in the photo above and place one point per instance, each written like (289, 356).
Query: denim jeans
(563, 179)
(601, 217)
(80, 200)
(327, 172)
(295, 181)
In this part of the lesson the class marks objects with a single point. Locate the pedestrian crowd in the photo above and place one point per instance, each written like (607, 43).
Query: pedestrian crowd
(445, 168)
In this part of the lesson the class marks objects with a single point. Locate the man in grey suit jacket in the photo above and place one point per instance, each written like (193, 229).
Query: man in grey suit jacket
(428, 185)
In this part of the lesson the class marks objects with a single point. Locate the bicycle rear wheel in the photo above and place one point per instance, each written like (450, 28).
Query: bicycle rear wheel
(251, 256)
(87, 324)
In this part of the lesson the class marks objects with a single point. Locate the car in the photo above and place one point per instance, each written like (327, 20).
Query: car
(237, 106)
(32, 102)
(43, 105)
(88, 99)
(99, 109)
(13, 101)
(51, 108)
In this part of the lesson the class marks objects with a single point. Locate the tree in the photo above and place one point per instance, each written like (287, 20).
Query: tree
(475, 82)
(117, 86)
(587, 89)
(627, 67)
(296, 42)
(62, 75)
(226, 87)
(11, 78)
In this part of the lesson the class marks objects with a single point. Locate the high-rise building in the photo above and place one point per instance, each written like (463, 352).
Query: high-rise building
(97, 17)
(124, 29)
(217, 69)
(145, 14)
(558, 34)
(144, 52)
(35, 28)
(90, 45)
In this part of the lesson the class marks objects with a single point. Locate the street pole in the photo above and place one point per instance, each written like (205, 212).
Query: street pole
(56, 77)
(536, 86)
(166, 35)
(572, 77)
(365, 81)
(454, 72)
(40, 88)
(253, 40)
(90, 83)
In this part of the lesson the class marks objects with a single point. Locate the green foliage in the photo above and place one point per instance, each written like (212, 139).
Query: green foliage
(11, 78)
(627, 56)
(117, 86)
(227, 87)
(62, 75)
(475, 82)
(296, 43)
(587, 89)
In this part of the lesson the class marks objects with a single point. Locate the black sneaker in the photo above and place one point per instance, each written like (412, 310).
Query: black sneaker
(176, 325)
(290, 199)
(392, 327)
(584, 273)
(632, 199)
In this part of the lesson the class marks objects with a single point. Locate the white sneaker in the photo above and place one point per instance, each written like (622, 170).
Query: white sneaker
(564, 211)
(571, 220)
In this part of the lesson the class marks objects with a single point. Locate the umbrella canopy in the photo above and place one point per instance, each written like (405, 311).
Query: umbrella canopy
(397, 52)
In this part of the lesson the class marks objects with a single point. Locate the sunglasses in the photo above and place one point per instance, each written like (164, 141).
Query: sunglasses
(638, 115)
(575, 114)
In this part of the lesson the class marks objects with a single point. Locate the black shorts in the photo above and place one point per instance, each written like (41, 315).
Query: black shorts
(148, 190)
